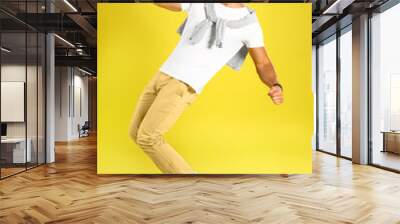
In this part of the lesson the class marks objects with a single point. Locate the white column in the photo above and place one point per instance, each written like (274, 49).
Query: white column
(50, 92)
(50, 99)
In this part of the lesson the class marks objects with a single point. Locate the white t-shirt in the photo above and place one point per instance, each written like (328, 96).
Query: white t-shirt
(196, 64)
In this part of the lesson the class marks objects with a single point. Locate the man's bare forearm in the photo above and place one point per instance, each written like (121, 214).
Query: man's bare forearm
(264, 67)
(267, 74)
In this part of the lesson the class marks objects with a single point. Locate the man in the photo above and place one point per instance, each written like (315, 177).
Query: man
(214, 34)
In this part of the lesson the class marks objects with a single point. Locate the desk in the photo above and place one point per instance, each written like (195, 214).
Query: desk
(391, 141)
(13, 150)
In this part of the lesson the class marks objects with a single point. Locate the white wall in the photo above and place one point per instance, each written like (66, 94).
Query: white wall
(71, 87)
(16, 73)
(62, 81)
(81, 84)
(12, 73)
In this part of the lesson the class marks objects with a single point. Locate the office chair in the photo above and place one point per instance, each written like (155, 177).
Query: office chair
(84, 130)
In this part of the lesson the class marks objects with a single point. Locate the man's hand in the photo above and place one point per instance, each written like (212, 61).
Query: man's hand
(276, 95)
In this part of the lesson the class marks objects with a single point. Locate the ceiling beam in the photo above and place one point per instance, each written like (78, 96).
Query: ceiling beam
(85, 25)
(81, 61)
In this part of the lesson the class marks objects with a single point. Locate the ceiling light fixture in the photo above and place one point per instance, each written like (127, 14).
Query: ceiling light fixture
(5, 50)
(84, 71)
(70, 5)
(64, 40)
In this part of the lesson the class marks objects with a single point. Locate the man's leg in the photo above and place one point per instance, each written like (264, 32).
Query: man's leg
(145, 100)
(167, 107)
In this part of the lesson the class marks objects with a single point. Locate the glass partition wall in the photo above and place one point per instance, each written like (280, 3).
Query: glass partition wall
(22, 98)
(385, 89)
(13, 89)
(334, 94)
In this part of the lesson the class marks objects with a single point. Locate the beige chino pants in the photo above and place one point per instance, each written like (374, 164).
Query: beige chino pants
(159, 107)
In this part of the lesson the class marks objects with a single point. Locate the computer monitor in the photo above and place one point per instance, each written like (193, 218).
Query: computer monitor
(3, 129)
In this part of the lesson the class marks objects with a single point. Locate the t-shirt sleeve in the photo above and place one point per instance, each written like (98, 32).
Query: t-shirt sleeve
(254, 36)
(186, 6)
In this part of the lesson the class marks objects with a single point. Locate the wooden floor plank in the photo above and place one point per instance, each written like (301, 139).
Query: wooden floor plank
(70, 191)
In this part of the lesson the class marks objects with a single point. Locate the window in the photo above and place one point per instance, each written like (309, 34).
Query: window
(327, 96)
(394, 102)
(385, 89)
(346, 75)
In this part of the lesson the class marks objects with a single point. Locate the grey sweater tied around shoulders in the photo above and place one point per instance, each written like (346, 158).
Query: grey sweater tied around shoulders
(217, 26)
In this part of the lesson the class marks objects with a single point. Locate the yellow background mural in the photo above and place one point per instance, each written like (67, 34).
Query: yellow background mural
(233, 127)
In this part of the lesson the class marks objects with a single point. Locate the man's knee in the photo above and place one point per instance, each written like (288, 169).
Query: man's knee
(147, 140)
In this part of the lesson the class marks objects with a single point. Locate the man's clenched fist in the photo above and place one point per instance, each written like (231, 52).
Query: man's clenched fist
(276, 95)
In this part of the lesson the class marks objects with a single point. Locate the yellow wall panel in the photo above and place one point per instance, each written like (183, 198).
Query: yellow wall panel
(232, 127)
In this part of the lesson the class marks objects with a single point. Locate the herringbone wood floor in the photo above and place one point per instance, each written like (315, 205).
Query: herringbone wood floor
(69, 191)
